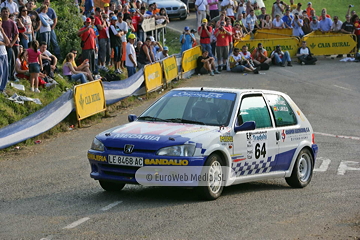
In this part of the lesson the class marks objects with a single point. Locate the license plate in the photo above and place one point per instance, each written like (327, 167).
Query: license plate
(125, 160)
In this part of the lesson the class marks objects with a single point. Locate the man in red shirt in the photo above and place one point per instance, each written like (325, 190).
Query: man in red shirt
(205, 32)
(222, 45)
(103, 39)
(87, 35)
(136, 19)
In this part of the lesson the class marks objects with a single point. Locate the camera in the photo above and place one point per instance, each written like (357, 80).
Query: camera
(350, 6)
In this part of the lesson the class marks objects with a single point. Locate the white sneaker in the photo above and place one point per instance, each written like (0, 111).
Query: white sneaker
(97, 77)
(32, 89)
(37, 90)
(50, 85)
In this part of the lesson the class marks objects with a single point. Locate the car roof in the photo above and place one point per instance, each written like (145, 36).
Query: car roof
(231, 90)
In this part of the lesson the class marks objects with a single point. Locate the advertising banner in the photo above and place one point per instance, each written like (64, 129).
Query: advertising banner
(190, 57)
(170, 68)
(284, 31)
(89, 99)
(153, 76)
(330, 44)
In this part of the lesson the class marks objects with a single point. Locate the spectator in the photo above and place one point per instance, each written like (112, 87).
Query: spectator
(287, 19)
(257, 9)
(53, 39)
(235, 62)
(229, 28)
(292, 5)
(123, 26)
(103, 39)
(222, 45)
(35, 65)
(277, 9)
(206, 64)
(237, 33)
(162, 17)
(88, 36)
(201, 7)
(241, 8)
(351, 13)
(313, 14)
(11, 5)
(46, 22)
(247, 60)
(325, 22)
(213, 39)
(25, 22)
(267, 23)
(186, 39)
(145, 54)
(49, 61)
(213, 7)
(309, 9)
(34, 16)
(337, 24)
(278, 23)
(251, 21)
(116, 35)
(70, 72)
(314, 25)
(222, 18)
(240, 21)
(4, 62)
(163, 54)
(348, 27)
(298, 10)
(136, 19)
(89, 7)
(355, 20)
(248, 7)
(130, 62)
(262, 16)
(304, 55)
(260, 56)
(306, 23)
(83, 67)
(107, 10)
(137, 49)
(229, 6)
(12, 33)
(155, 47)
(297, 25)
(279, 57)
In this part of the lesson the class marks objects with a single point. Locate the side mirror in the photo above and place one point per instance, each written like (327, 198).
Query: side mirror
(246, 126)
(132, 117)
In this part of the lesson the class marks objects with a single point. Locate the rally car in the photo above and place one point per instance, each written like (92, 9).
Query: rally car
(255, 134)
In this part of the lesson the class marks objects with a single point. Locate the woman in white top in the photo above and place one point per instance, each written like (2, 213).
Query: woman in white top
(25, 22)
(267, 24)
(4, 72)
(46, 22)
(278, 23)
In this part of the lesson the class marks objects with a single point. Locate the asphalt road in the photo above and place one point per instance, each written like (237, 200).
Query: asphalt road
(46, 191)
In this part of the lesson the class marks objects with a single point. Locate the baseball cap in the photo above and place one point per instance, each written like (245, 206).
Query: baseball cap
(166, 48)
(186, 28)
(114, 18)
(106, 5)
(243, 12)
(132, 10)
(309, 3)
(132, 36)
(204, 20)
(152, 39)
(88, 20)
(314, 18)
(97, 9)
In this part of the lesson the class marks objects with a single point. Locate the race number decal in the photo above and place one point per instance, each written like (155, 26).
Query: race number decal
(256, 145)
(260, 151)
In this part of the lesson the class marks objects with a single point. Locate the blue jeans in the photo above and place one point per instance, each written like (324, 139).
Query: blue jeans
(282, 60)
(54, 44)
(131, 71)
(207, 47)
(25, 42)
(4, 72)
(79, 76)
(238, 68)
(45, 36)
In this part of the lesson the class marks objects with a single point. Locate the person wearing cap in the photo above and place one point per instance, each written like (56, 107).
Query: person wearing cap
(279, 57)
(309, 8)
(202, 8)
(136, 19)
(297, 10)
(155, 47)
(4, 62)
(314, 24)
(213, 8)
(107, 9)
(351, 13)
(205, 33)
(325, 22)
(278, 9)
(130, 61)
(88, 36)
(287, 18)
(222, 45)
(123, 26)
(186, 39)
(102, 25)
(297, 24)
(162, 54)
(206, 64)
(116, 34)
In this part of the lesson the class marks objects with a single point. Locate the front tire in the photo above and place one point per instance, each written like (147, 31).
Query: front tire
(303, 169)
(215, 185)
(111, 186)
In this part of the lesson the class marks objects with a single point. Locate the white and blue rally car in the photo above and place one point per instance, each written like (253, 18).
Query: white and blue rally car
(256, 134)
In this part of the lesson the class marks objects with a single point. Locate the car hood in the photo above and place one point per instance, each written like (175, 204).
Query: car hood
(165, 4)
(153, 135)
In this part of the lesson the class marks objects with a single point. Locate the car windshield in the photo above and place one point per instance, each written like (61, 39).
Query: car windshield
(194, 107)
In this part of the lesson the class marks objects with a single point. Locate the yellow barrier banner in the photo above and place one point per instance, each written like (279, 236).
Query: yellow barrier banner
(170, 68)
(330, 44)
(153, 76)
(267, 35)
(89, 99)
(284, 31)
(189, 58)
(290, 44)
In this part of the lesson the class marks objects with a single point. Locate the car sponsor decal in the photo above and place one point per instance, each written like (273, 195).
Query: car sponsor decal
(96, 157)
(226, 139)
(256, 145)
(174, 162)
(238, 158)
(295, 134)
(202, 94)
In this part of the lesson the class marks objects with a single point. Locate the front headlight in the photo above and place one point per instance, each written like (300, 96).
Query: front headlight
(97, 145)
(183, 7)
(187, 150)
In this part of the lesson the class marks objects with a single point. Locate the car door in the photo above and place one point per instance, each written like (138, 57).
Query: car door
(254, 150)
(287, 129)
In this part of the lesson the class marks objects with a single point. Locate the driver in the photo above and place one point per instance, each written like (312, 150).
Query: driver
(200, 111)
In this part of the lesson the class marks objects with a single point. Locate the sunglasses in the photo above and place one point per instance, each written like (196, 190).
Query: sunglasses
(74, 52)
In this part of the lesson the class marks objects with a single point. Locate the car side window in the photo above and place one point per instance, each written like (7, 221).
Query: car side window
(253, 108)
(283, 113)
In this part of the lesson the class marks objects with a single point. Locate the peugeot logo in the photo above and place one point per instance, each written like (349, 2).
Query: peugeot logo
(128, 148)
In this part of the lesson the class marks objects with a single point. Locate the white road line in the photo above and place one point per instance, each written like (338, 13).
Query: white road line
(338, 136)
(47, 238)
(346, 166)
(76, 223)
(342, 87)
(324, 165)
(110, 206)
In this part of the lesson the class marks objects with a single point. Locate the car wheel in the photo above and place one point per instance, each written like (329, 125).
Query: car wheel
(302, 171)
(111, 186)
(214, 185)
